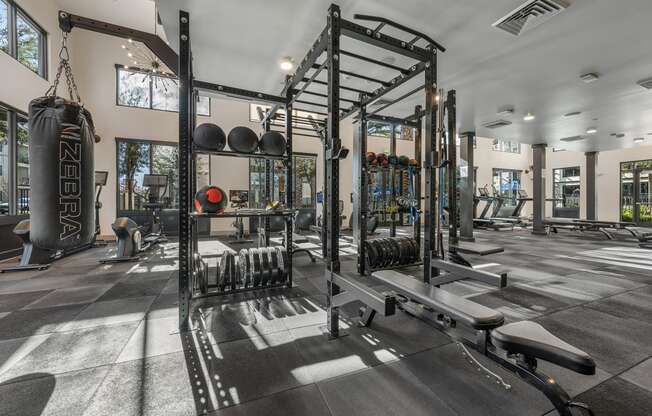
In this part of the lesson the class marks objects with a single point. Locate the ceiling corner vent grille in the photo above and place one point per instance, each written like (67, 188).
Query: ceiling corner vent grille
(646, 83)
(530, 15)
(496, 124)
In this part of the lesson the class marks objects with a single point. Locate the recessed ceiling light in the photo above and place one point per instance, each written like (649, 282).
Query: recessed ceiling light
(590, 77)
(572, 114)
(287, 64)
(130, 54)
(135, 62)
(124, 46)
(126, 66)
(529, 117)
(639, 139)
(591, 130)
(130, 41)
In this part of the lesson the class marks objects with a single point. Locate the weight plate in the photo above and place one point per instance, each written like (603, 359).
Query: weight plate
(244, 268)
(284, 262)
(222, 272)
(381, 251)
(265, 267)
(257, 267)
(273, 264)
(396, 252)
(387, 254)
(370, 254)
(375, 253)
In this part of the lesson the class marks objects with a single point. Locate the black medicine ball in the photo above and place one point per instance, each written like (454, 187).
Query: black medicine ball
(210, 199)
(243, 139)
(209, 136)
(272, 143)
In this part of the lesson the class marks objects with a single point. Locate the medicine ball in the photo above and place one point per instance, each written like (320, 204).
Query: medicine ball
(413, 162)
(380, 157)
(272, 143)
(210, 200)
(385, 163)
(371, 156)
(243, 139)
(404, 160)
(393, 160)
(209, 136)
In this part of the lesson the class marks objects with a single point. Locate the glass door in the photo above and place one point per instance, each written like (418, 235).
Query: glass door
(635, 200)
(566, 192)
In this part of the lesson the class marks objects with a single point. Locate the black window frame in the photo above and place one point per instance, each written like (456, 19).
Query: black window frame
(13, 11)
(13, 114)
(119, 67)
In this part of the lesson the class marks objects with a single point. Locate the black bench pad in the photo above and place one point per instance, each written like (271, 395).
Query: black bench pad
(477, 248)
(462, 310)
(533, 340)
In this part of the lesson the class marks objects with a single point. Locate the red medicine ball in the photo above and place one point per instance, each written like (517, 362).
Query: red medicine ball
(210, 199)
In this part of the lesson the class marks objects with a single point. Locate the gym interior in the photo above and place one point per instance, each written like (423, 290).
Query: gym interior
(325, 208)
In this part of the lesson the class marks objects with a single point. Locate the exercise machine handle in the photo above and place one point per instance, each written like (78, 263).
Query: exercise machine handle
(400, 27)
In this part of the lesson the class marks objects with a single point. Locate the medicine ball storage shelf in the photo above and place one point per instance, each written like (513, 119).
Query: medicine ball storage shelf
(245, 214)
(238, 154)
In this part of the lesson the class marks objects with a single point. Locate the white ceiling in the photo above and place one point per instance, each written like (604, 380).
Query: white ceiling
(240, 43)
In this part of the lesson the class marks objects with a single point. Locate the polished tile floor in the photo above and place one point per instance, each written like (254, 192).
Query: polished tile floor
(88, 339)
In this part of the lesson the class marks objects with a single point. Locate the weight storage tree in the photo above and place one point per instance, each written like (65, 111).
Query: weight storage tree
(192, 269)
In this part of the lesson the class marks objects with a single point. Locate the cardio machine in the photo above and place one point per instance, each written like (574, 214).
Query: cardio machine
(129, 234)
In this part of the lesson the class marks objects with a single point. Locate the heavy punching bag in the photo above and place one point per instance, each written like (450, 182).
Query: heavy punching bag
(62, 176)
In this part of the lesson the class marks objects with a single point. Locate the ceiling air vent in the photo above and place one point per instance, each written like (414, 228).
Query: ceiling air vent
(531, 14)
(646, 83)
(496, 124)
(572, 139)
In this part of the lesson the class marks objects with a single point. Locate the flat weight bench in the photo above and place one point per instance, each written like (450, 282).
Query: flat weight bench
(516, 346)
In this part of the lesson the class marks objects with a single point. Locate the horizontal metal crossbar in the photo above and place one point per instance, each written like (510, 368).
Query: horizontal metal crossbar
(374, 61)
(238, 93)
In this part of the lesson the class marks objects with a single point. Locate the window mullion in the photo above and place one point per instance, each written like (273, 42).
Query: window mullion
(13, 35)
(12, 137)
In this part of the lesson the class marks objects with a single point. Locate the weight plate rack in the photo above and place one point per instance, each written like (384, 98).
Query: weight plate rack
(391, 252)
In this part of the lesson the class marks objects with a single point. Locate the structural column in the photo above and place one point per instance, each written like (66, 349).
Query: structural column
(591, 163)
(539, 188)
(467, 186)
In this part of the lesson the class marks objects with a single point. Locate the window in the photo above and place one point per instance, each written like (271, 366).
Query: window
(506, 146)
(14, 162)
(566, 192)
(142, 89)
(22, 38)
(304, 168)
(628, 196)
(303, 115)
(506, 184)
(137, 158)
(383, 129)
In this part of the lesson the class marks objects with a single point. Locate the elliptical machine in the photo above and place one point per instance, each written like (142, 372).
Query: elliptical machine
(129, 234)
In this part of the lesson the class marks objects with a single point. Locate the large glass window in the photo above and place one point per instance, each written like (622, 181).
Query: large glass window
(142, 89)
(137, 158)
(566, 192)
(506, 183)
(628, 198)
(4, 26)
(506, 146)
(383, 129)
(303, 116)
(22, 38)
(14, 162)
(304, 169)
(5, 183)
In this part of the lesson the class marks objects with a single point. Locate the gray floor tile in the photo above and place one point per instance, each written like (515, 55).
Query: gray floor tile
(252, 368)
(110, 312)
(468, 391)
(164, 306)
(300, 401)
(153, 337)
(154, 386)
(76, 350)
(13, 350)
(69, 296)
(15, 301)
(641, 375)
(636, 304)
(615, 343)
(386, 390)
(617, 397)
(20, 324)
(134, 289)
(64, 395)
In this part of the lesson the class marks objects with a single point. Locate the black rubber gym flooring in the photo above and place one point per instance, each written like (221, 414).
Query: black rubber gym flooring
(89, 339)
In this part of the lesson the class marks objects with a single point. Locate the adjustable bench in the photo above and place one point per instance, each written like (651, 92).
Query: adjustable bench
(515, 346)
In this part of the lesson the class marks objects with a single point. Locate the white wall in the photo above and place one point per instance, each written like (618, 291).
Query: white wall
(19, 84)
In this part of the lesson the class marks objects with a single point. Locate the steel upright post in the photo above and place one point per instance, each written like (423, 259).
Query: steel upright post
(430, 211)
(360, 185)
(452, 168)
(333, 164)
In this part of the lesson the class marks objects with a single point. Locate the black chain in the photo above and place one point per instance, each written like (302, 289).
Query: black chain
(64, 67)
